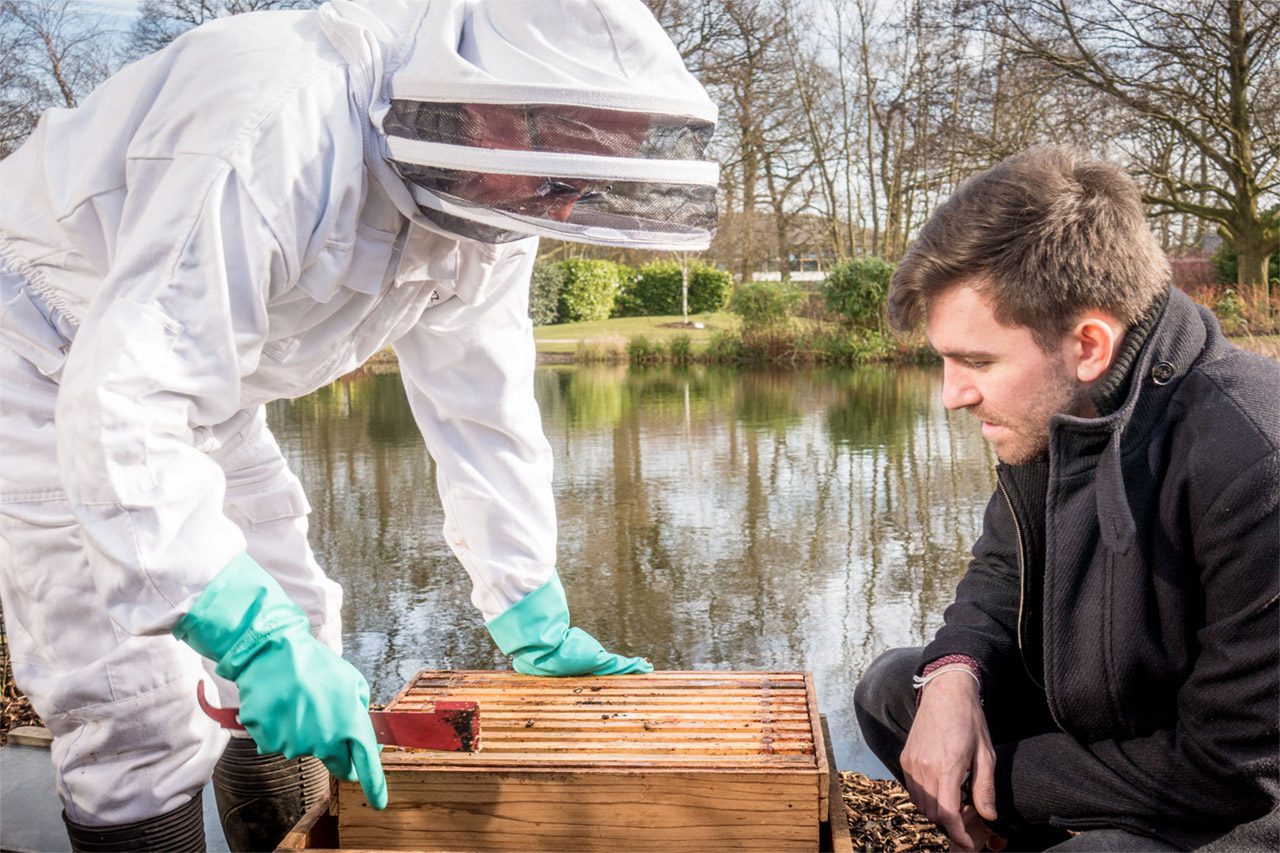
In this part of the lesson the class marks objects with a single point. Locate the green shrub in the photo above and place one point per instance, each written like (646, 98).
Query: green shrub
(771, 344)
(628, 303)
(856, 290)
(544, 293)
(590, 289)
(657, 288)
(607, 348)
(838, 346)
(680, 348)
(1230, 309)
(640, 350)
(655, 291)
(850, 347)
(709, 288)
(723, 348)
(814, 307)
(765, 304)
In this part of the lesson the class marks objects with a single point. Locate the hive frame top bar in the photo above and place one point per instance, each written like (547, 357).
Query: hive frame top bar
(743, 721)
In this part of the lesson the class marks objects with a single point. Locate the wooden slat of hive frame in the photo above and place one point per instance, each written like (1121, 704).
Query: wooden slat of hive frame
(755, 717)
(670, 761)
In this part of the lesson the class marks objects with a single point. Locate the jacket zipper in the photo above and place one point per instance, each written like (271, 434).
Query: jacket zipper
(1022, 578)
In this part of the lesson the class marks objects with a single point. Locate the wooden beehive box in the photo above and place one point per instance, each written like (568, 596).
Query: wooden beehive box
(669, 761)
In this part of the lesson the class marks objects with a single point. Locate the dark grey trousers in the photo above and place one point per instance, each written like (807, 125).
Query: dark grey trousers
(885, 703)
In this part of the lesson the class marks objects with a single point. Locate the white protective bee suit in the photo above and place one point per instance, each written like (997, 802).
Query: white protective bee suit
(246, 216)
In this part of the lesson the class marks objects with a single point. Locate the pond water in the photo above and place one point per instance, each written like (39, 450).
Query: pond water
(709, 518)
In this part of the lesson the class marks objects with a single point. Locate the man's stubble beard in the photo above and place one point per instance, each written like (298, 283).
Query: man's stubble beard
(1027, 435)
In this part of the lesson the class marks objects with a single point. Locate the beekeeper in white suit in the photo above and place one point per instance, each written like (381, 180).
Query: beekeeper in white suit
(245, 216)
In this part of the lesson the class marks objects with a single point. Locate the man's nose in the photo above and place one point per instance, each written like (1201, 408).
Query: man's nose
(958, 392)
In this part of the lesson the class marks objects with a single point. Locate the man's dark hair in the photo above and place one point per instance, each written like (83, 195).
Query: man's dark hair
(1045, 235)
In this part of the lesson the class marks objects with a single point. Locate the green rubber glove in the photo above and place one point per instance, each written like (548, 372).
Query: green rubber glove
(535, 632)
(297, 696)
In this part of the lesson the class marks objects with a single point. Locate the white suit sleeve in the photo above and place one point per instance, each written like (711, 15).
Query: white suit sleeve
(468, 370)
(178, 320)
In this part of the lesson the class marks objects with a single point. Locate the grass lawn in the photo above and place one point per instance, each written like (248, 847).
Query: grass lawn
(1268, 345)
(564, 337)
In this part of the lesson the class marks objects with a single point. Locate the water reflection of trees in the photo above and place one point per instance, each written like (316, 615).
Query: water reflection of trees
(804, 520)
(875, 406)
(766, 400)
(599, 396)
(708, 518)
(375, 526)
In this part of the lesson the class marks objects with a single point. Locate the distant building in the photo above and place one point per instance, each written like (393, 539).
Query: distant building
(797, 276)
(1195, 274)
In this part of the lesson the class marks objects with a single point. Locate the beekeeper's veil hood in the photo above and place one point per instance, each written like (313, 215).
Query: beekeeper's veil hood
(574, 119)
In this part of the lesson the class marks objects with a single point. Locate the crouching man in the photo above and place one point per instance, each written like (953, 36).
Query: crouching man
(1109, 666)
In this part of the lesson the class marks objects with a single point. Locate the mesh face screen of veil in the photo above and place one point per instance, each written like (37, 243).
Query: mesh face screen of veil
(571, 172)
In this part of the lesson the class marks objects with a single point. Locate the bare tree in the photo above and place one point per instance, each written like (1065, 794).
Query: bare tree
(908, 101)
(761, 142)
(21, 96)
(817, 94)
(1205, 73)
(696, 27)
(161, 21)
(52, 53)
(847, 125)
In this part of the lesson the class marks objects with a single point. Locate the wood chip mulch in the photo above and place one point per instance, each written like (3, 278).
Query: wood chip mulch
(15, 710)
(883, 818)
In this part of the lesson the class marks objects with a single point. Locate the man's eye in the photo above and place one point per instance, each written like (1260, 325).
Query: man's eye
(975, 365)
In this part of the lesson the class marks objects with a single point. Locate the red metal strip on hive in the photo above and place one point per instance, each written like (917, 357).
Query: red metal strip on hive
(450, 727)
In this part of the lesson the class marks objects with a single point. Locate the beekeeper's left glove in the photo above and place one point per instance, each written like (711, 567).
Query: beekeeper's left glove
(297, 696)
(535, 632)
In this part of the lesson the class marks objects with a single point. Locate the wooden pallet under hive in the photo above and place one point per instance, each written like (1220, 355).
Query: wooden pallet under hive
(669, 761)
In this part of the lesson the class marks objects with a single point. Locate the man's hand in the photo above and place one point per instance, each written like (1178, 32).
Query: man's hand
(981, 836)
(949, 744)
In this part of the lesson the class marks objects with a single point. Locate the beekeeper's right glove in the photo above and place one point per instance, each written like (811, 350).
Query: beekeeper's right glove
(297, 696)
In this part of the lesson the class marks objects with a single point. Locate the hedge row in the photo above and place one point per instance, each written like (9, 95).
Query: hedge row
(580, 289)
(854, 293)
(656, 288)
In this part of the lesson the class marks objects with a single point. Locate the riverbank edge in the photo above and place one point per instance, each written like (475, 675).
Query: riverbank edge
(1265, 345)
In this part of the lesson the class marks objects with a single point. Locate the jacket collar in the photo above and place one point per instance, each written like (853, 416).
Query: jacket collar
(1183, 335)
(1109, 393)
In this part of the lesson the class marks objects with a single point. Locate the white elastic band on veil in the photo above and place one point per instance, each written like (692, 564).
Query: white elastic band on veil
(480, 92)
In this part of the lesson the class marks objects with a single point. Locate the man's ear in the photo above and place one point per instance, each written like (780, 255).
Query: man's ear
(1095, 343)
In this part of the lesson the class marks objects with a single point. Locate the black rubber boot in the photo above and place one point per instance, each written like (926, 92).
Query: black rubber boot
(180, 830)
(261, 797)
